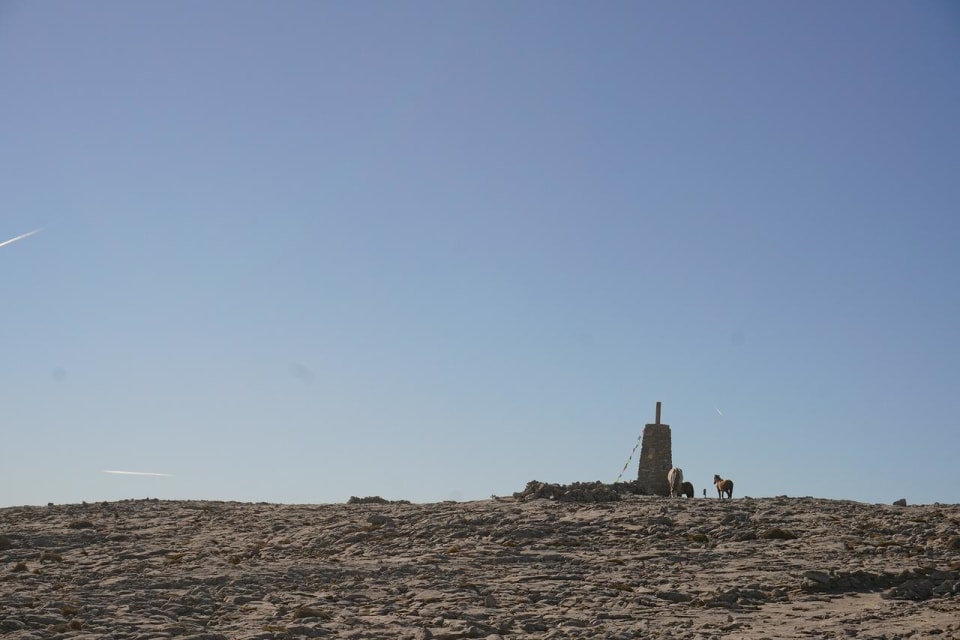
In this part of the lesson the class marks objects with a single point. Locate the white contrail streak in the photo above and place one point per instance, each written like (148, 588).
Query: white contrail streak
(718, 411)
(20, 237)
(137, 473)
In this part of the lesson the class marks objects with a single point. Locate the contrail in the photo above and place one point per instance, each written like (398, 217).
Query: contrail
(20, 237)
(718, 411)
(137, 473)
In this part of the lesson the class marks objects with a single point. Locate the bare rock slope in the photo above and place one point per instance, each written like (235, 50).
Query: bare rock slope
(557, 566)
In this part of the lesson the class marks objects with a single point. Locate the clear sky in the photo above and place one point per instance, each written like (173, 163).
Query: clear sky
(299, 251)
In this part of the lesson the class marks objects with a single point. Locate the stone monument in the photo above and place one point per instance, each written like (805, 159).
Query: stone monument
(656, 459)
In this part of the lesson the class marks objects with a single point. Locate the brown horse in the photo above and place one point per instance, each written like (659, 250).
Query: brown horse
(723, 486)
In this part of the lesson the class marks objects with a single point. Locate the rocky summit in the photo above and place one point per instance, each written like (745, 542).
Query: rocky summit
(548, 562)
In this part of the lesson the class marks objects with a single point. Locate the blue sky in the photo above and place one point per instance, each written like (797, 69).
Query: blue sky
(299, 251)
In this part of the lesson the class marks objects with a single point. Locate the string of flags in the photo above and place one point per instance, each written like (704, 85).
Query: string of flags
(639, 439)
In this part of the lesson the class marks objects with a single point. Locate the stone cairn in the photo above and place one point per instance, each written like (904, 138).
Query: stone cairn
(656, 459)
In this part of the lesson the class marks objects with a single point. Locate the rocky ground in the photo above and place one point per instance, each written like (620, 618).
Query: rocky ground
(548, 562)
